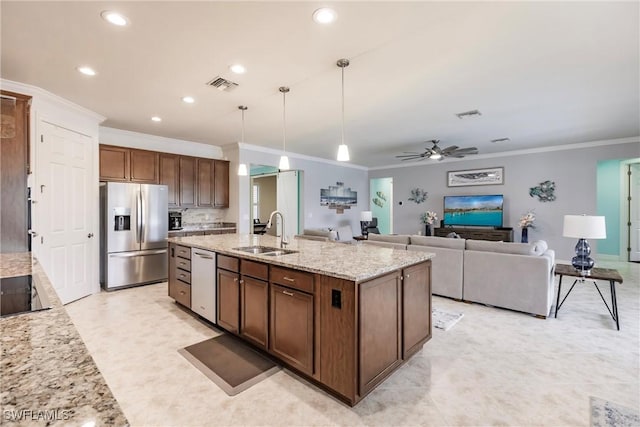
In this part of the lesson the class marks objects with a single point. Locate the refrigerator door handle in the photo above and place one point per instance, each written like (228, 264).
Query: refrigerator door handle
(135, 254)
(142, 217)
(138, 217)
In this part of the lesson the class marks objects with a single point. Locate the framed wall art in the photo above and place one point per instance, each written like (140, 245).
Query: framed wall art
(490, 176)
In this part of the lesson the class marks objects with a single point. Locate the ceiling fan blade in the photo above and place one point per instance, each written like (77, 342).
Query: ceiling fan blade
(450, 149)
(409, 155)
(467, 149)
(412, 158)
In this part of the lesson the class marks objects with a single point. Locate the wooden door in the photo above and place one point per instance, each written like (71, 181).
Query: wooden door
(291, 327)
(416, 308)
(229, 300)
(379, 324)
(144, 166)
(205, 182)
(114, 163)
(67, 210)
(188, 181)
(14, 165)
(254, 317)
(169, 175)
(221, 184)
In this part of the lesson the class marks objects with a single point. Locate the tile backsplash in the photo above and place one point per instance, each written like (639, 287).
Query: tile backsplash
(198, 216)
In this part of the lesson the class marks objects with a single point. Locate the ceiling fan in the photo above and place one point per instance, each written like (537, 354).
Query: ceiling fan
(437, 153)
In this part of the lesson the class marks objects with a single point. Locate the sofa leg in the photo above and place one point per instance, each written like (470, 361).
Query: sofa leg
(540, 316)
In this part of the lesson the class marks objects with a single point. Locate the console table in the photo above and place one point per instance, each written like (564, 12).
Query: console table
(496, 235)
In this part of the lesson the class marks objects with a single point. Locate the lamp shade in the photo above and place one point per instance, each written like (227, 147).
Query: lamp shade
(284, 163)
(366, 216)
(242, 169)
(584, 227)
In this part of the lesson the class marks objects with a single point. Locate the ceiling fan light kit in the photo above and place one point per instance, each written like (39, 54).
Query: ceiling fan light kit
(437, 153)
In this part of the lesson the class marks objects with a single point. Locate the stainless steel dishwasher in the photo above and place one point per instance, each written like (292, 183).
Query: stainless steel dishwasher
(203, 283)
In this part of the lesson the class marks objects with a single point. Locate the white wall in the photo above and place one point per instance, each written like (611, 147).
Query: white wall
(318, 173)
(573, 170)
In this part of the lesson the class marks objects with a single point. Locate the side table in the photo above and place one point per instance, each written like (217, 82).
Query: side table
(359, 238)
(596, 274)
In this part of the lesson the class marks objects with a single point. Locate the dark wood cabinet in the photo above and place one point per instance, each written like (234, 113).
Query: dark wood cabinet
(380, 314)
(114, 163)
(180, 274)
(291, 327)
(492, 234)
(188, 181)
(144, 166)
(169, 175)
(206, 184)
(221, 184)
(228, 294)
(14, 168)
(254, 302)
(416, 308)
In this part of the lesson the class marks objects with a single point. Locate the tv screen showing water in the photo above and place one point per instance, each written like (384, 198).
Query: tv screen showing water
(482, 210)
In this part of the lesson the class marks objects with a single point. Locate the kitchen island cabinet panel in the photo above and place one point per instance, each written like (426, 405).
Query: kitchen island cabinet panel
(254, 310)
(229, 300)
(416, 308)
(291, 327)
(379, 326)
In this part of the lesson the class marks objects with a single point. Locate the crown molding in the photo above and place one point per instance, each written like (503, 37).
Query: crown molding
(47, 96)
(576, 146)
(245, 146)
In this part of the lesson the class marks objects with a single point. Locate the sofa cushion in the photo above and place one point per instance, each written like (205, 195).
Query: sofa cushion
(540, 247)
(439, 242)
(502, 247)
(385, 244)
(390, 238)
(323, 232)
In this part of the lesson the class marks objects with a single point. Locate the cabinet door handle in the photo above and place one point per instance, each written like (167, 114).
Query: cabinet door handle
(288, 293)
(182, 275)
(241, 281)
(182, 292)
(288, 279)
(235, 279)
(408, 276)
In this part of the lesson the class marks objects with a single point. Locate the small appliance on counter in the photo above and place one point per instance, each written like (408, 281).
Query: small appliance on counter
(175, 221)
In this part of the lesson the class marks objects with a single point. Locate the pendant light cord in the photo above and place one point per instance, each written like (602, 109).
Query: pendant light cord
(342, 105)
(242, 124)
(284, 121)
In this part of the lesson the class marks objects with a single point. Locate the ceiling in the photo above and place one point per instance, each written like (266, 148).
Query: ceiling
(541, 73)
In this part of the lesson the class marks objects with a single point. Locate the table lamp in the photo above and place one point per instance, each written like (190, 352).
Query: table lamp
(365, 219)
(584, 227)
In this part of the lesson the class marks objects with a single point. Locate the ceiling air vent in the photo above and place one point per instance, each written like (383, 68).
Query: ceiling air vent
(222, 84)
(499, 140)
(467, 114)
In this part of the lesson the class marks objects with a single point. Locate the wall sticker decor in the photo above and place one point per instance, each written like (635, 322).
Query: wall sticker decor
(544, 191)
(338, 197)
(418, 195)
(489, 176)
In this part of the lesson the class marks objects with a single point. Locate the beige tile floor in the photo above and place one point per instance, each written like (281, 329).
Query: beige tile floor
(495, 367)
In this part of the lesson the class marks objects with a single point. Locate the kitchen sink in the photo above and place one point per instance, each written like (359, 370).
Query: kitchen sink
(265, 250)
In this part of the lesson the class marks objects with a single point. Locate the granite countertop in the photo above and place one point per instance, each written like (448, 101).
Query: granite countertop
(356, 262)
(224, 226)
(48, 376)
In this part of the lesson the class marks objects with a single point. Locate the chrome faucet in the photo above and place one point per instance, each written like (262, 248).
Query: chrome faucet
(283, 238)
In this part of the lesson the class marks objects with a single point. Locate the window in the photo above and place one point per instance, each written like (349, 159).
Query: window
(255, 201)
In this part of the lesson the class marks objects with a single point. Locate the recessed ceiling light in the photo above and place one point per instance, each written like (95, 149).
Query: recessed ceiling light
(156, 119)
(188, 99)
(324, 15)
(87, 71)
(114, 18)
(238, 68)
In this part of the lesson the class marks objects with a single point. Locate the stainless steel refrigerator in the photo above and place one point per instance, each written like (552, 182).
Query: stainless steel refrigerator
(134, 228)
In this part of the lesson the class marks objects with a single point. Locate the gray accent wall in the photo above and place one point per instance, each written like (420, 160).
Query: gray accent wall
(574, 172)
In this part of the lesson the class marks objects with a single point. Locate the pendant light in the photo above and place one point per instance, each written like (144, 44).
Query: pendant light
(284, 160)
(242, 168)
(343, 150)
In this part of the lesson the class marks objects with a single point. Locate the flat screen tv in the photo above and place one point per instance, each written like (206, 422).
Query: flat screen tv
(479, 210)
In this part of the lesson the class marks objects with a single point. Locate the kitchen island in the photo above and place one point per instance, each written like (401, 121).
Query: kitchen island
(343, 316)
(47, 375)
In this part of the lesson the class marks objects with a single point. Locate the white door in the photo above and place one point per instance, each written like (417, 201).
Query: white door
(287, 189)
(66, 210)
(634, 213)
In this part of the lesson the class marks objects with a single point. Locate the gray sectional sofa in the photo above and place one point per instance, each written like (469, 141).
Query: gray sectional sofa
(516, 276)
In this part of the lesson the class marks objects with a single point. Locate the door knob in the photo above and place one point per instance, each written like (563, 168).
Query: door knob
(33, 233)
(90, 235)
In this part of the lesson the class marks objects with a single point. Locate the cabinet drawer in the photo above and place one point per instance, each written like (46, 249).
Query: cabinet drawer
(292, 278)
(181, 292)
(184, 276)
(254, 269)
(183, 264)
(183, 252)
(228, 263)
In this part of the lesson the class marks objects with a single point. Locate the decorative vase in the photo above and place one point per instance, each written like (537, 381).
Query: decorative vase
(525, 235)
(427, 229)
